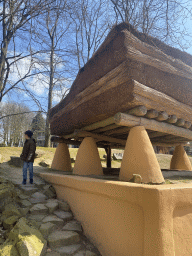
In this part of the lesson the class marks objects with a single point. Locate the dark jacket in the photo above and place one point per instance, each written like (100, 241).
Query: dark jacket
(28, 153)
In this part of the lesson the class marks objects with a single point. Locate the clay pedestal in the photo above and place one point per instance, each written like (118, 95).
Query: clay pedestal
(88, 161)
(61, 160)
(139, 158)
(180, 160)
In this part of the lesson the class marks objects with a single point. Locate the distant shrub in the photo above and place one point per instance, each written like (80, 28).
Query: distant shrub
(2, 145)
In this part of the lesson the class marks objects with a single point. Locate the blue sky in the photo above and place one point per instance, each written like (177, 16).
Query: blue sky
(39, 89)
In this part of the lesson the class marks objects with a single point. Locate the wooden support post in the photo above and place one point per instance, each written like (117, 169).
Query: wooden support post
(108, 152)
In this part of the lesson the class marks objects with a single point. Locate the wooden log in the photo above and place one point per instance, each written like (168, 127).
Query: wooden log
(178, 142)
(180, 122)
(170, 138)
(162, 116)
(154, 99)
(62, 140)
(100, 124)
(128, 120)
(80, 133)
(166, 144)
(187, 125)
(138, 111)
(172, 119)
(78, 143)
(152, 113)
(106, 128)
(112, 145)
(156, 134)
(135, 94)
(120, 130)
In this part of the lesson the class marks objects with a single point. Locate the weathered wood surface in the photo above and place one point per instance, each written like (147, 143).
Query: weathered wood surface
(131, 121)
(157, 134)
(128, 96)
(152, 113)
(138, 111)
(153, 99)
(172, 119)
(162, 116)
(169, 138)
(67, 141)
(100, 124)
(98, 137)
(78, 143)
(180, 122)
(187, 125)
(106, 128)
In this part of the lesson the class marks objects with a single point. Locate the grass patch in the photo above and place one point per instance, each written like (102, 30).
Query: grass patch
(48, 154)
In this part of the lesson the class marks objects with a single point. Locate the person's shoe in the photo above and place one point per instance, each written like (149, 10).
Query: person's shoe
(31, 181)
(24, 182)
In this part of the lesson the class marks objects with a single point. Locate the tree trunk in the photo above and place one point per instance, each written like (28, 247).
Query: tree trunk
(50, 96)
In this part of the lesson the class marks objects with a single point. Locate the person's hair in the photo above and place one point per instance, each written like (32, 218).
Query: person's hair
(29, 133)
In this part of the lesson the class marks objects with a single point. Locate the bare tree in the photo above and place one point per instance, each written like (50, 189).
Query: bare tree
(90, 24)
(165, 19)
(15, 22)
(17, 119)
(53, 25)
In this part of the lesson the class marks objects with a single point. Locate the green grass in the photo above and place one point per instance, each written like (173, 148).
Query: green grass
(48, 154)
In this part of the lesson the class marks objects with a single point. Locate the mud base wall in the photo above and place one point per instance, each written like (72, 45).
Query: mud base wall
(124, 219)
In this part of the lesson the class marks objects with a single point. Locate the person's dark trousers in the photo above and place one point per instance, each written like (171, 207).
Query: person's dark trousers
(26, 166)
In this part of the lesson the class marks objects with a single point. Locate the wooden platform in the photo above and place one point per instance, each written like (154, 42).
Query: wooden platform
(113, 131)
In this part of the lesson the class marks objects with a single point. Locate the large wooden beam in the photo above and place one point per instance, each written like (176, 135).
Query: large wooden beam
(83, 134)
(106, 128)
(129, 120)
(172, 119)
(78, 143)
(156, 134)
(100, 124)
(159, 101)
(120, 130)
(152, 113)
(138, 111)
(162, 116)
(187, 125)
(170, 138)
(67, 141)
(168, 145)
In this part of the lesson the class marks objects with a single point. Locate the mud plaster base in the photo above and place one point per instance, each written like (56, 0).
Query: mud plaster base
(121, 218)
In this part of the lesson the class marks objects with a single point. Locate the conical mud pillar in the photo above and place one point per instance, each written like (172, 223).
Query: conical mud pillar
(139, 158)
(180, 159)
(88, 161)
(61, 160)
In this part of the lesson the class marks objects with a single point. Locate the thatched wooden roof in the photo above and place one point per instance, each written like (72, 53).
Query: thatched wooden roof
(129, 69)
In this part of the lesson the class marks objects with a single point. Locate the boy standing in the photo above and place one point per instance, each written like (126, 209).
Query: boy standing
(28, 156)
